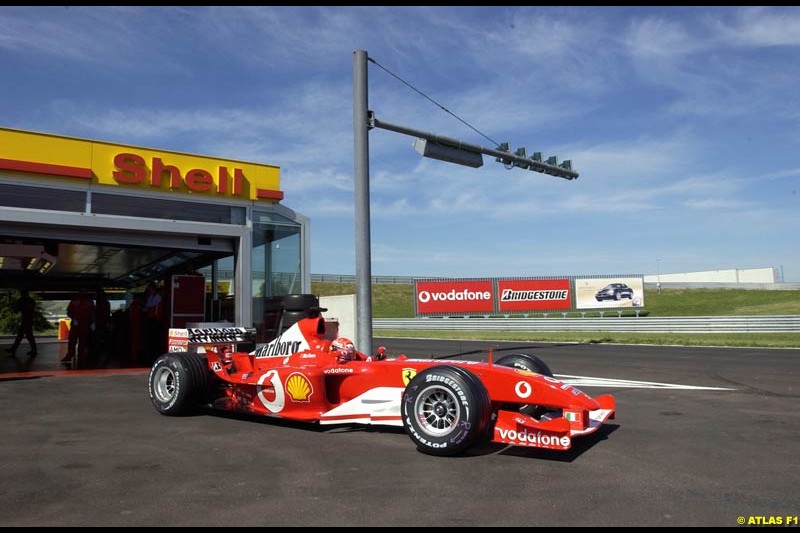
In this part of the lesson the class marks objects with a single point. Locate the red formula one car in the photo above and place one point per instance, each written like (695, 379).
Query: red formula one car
(444, 406)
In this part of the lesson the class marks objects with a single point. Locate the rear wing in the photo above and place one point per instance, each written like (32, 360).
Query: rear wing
(199, 340)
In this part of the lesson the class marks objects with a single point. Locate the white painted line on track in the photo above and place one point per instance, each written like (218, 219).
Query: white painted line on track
(585, 381)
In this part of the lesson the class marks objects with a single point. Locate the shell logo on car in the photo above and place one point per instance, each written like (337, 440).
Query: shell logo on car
(299, 388)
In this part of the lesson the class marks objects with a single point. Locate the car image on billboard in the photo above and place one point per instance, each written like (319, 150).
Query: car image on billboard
(614, 291)
(605, 293)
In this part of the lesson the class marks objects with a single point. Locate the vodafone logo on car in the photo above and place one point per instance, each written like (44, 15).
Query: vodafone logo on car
(454, 297)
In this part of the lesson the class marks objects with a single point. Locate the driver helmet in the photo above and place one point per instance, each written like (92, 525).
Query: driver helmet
(343, 348)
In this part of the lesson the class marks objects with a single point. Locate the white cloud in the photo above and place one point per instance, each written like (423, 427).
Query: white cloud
(760, 26)
(659, 42)
(715, 203)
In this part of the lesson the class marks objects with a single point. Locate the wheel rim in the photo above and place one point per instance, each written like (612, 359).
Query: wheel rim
(436, 410)
(164, 384)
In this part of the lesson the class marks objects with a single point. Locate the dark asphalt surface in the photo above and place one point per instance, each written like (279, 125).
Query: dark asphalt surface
(90, 450)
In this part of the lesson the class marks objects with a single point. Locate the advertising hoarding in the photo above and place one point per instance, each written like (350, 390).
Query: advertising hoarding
(609, 293)
(533, 295)
(446, 297)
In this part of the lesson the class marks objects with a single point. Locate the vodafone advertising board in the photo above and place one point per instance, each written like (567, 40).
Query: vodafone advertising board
(453, 297)
(533, 294)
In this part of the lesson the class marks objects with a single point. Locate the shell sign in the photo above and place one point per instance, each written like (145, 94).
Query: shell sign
(54, 156)
(299, 388)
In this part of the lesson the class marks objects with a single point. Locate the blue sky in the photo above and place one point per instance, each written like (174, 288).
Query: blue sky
(682, 121)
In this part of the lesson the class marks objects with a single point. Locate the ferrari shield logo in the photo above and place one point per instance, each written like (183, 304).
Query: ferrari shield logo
(408, 375)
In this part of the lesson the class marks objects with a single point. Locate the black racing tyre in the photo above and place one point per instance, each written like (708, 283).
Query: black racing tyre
(299, 302)
(531, 363)
(290, 317)
(177, 382)
(200, 372)
(445, 409)
(525, 361)
(272, 304)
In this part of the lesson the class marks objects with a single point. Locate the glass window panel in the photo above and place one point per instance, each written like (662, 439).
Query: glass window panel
(112, 204)
(275, 264)
(42, 198)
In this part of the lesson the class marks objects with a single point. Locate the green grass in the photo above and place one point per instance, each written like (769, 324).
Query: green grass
(388, 300)
(721, 302)
(397, 301)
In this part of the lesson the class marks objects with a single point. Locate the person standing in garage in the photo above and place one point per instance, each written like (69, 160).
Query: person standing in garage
(136, 327)
(81, 312)
(102, 317)
(27, 308)
(154, 332)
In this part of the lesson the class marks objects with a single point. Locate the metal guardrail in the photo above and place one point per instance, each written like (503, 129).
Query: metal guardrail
(696, 324)
(351, 278)
(409, 280)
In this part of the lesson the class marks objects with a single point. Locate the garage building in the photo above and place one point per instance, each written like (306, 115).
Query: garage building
(84, 213)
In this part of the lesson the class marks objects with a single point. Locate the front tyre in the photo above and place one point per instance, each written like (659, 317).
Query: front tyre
(176, 382)
(531, 363)
(445, 409)
(525, 361)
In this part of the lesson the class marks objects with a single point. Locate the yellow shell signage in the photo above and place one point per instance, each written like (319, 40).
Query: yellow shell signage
(299, 388)
(129, 166)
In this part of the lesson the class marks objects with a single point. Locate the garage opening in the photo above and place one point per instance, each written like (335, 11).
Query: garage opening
(56, 273)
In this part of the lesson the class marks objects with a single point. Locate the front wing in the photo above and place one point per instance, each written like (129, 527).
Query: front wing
(512, 427)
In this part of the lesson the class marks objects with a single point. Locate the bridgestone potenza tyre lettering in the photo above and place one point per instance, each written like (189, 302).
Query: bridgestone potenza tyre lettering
(177, 382)
(445, 409)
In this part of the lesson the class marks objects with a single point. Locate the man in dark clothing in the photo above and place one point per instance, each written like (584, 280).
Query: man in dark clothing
(81, 311)
(27, 307)
(102, 318)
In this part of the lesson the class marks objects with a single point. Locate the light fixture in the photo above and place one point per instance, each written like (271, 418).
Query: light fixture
(46, 263)
(451, 154)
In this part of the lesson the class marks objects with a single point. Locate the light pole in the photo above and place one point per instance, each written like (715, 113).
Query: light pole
(658, 270)
(361, 190)
(429, 145)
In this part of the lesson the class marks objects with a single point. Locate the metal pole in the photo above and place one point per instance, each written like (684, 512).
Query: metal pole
(658, 269)
(506, 157)
(361, 198)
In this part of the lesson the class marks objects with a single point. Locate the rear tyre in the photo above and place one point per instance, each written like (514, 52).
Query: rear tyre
(177, 382)
(531, 363)
(445, 409)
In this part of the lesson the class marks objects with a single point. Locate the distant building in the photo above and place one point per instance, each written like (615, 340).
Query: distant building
(731, 275)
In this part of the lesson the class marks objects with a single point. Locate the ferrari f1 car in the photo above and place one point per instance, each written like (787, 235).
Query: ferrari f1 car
(445, 406)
